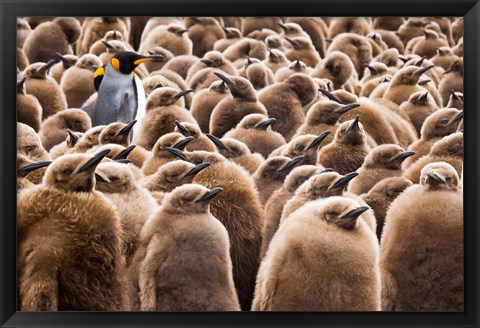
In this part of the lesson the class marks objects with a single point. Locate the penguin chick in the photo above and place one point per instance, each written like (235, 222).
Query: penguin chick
(428, 45)
(241, 215)
(412, 27)
(29, 110)
(296, 66)
(271, 175)
(172, 37)
(356, 47)
(99, 46)
(384, 161)
(444, 57)
(66, 61)
(231, 110)
(449, 149)
(316, 28)
(458, 49)
(232, 34)
(134, 203)
(158, 65)
(181, 64)
(62, 148)
(44, 88)
(54, 129)
(160, 155)
(262, 34)
(422, 271)
(257, 73)
(22, 60)
(29, 144)
(247, 47)
(201, 74)
(184, 224)
(440, 123)
(205, 101)
(62, 219)
(250, 24)
(50, 37)
(162, 112)
(306, 145)
(199, 142)
(88, 140)
(23, 31)
(322, 236)
(418, 107)
(347, 152)
(275, 60)
(204, 32)
(378, 46)
(451, 80)
(76, 82)
(255, 131)
(337, 67)
(274, 41)
(274, 206)
(303, 49)
(388, 23)
(456, 100)
(358, 25)
(25, 167)
(237, 152)
(382, 194)
(117, 133)
(285, 101)
(95, 28)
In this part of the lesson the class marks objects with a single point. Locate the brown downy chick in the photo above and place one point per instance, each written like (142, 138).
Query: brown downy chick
(375, 70)
(181, 64)
(54, 129)
(134, 203)
(378, 46)
(199, 142)
(232, 34)
(29, 110)
(30, 147)
(257, 73)
(69, 232)
(231, 110)
(442, 122)
(382, 195)
(25, 167)
(162, 112)
(356, 47)
(384, 161)
(285, 101)
(292, 30)
(240, 211)
(250, 24)
(455, 100)
(246, 47)
(428, 45)
(347, 152)
(424, 271)
(451, 80)
(457, 29)
(271, 175)
(88, 140)
(99, 47)
(328, 244)
(276, 60)
(172, 37)
(23, 31)
(44, 88)
(262, 34)
(413, 27)
(307, 145)
(274, 41)
(204, 32)
(444, 57)
(185, 262)
(458, 49)
(50, 37)
(418, 107)
(357, 25)
(316, 28)
(22, 60)
(117, 133)
(158, 65)
(255, 131)
(296, 66)
(66, 61)
(95, 28)
(201, 74)
(205, 101)
(274, 206)
(69, 142)
(449, 149)
(154, 22)
(303, 49)
(337, 67)
(77, 83)
(388, 23)
(160, 155)
(238, 152)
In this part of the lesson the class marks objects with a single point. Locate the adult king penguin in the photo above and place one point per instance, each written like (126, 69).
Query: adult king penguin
(121, 96)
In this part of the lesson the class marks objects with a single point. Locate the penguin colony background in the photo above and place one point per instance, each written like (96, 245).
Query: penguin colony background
(240, 163)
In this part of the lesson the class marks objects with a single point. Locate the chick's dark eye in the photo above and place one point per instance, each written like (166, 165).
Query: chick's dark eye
(67, 171)
(444, 121)
(449, 180)
(301, 148)
(112, 179)
(324, 188)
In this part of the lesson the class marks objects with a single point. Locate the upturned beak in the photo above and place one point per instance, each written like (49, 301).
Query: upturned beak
(182, 129)
(107, 44)
(265, 124)
(47, 66)
(177, 152)
(210, 195)
(197, 169)
(326, 170)
(99, 178)
(124, 153)
(354, 124)
(126, 129)
(183, 93)
(223, 78)
(423, 70)
(318, 140)
(32, 167)
(353, 214)
(344, 180)
(21, 82)
(292, 42)
(207, 62)
(373, 71)
(436, 178)
(346, 108)
(291, 164)
(457, 118)
(329, 95)
(72, 136)
(94, 161)
(404, 156)
(182, 143)
(422, 83)
(218, 143)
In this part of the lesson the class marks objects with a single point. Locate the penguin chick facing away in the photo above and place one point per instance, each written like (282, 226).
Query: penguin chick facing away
(326, 244)
(347, 152)
(199, 142)
(29, 110)
(382, 195)
(66, 61)
(77, 237)
(240, 211)
(134, 203)
(237, 152)
(231, 110)
(205, 101)
(54, 129)
(274, 206)
(44, 88)
(271, 175)
(384, 161)
(285, 101)
(183, 239)
(162, 112)
(452, 80)
(449, 149)
(255, 131)
(422, 245)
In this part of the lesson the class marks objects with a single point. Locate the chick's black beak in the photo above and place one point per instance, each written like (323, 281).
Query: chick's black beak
(183, 93)
(182, 129)
(21, 82)
(218, 143)
(210, 195)
(404, 155)
(329, 95)
(182, 143)
(346, 108)
(32, 167)
(291, 164)
(124, 153)
(223, 78)
(207, 62)
(126, 129)
(265, 124)
(344, 180)
(423, 70)
(318, 140)
(47, 66)
(99, 178)
(326, 170)
(94, 161)
(457, 118)
(435, 178)
(355, 213)
(354, 124)
(197, 169)
(177, 152)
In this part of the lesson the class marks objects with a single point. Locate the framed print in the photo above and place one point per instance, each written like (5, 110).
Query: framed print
(239, 163)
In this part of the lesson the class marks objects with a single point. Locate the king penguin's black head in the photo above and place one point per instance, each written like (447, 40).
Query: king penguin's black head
(126, 61)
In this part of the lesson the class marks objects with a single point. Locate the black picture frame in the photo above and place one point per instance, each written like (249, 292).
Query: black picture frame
(9, 9)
